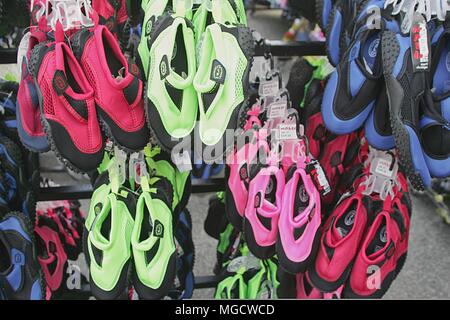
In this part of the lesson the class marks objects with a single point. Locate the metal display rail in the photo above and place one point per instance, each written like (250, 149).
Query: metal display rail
(84, 191)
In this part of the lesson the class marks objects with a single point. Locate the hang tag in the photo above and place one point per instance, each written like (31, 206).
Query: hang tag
(269, 87)
(131, 170)
(243, 263)
(287, 132)
(182, 161)
(22, 50)
(140, 167)
(260, 67)
(277, 110)
(315, 170)
(383, 171)
(420, 44)
(120, 161)
(383, 167)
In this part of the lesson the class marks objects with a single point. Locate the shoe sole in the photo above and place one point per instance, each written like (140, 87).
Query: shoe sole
(295, 267)
(259, 251)
(327, 286)
(391, 52)
(232, 213)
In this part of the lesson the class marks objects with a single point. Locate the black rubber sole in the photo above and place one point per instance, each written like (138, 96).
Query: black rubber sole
(147, 293)
(230, 208)
(297, 267)
(319, 14)
(121, 138)
(324, 285)
(257, 250)
(396, 94)
(328, 32)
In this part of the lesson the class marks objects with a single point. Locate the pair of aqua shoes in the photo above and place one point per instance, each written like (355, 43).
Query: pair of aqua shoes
(129, 233)
(196, 60)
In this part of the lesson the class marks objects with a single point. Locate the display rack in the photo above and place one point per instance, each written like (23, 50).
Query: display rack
(84, 191)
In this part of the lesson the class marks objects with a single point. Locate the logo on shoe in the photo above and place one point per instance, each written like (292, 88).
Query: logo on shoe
(447, 62)
(158, 229)
(302, 194)
(218, 72)
(149, 26)
(164, 68)
(243, 173)
(60, 83)
(258, 200)
(373, 48)
(383, 235)
(98, 208)
(350, 218)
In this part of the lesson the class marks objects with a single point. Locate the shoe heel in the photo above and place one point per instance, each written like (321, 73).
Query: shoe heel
(390, 52)
(36, 57)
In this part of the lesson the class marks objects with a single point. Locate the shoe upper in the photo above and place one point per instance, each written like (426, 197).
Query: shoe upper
(242, 167)
(109, 239)
(153, 10)
(116, 85)
(152, 239)
(224, 63)
(264, 205)
(347, 104)
(300, 215)
(378, 128)
(51, 254)
(223, 12)
(434, 124)
(383, 249)
(111, 12)
(341, 239)
(171, 101)
(19, 269)
(68, 103)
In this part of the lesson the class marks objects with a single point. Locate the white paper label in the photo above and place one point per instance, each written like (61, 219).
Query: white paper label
(277, 110)
(269, 88)
(383, 168)
(287, 132)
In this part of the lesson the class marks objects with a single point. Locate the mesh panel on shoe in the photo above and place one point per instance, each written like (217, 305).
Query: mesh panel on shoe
(242, 65)
(89, 75)
(48, 101)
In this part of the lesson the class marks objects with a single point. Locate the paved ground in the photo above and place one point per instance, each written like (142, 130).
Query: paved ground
(426, 273)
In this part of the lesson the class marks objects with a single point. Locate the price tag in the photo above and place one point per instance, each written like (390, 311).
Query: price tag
(420, 45)
(277, 110)
(315, 170)
(269, 87)
(287, 132)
